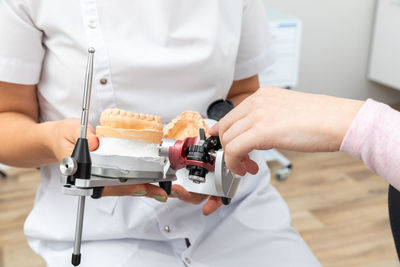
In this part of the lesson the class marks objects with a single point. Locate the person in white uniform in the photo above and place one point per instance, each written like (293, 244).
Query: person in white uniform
(157, 57)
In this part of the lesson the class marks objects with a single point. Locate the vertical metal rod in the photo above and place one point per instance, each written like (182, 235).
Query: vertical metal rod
(79, 225)
(87, 93)
(76, 255)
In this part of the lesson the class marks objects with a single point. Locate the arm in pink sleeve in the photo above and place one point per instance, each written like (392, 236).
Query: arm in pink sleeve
(374, 137)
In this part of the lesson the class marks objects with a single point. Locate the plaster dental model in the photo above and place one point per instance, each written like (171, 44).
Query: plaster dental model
(128, 141)
(185, 125)
(130, 147)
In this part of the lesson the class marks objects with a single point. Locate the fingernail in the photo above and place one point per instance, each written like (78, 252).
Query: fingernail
(174, 193)
(160, 198)
(140, 193)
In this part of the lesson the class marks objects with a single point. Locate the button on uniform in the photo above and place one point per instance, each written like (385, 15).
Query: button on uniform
(103, 81)
(92, 24)
(187, 260)
(167, 229)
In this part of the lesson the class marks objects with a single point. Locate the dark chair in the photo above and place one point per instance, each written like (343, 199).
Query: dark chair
(394, 215)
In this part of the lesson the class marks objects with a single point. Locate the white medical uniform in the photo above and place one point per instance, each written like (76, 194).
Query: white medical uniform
(158, 57)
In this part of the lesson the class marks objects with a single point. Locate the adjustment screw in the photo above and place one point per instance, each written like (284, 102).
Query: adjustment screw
(68, 166)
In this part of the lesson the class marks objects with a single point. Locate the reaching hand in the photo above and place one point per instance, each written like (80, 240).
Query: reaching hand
(283, 119)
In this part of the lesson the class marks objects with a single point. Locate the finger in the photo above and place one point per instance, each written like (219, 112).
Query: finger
(234, 115)
(93, 142)
(238, 149)
(187, 196)
(214, 130)
(90, 130)
(235, 130)
(76, 133)
(249, 165)
(92, 138)
(73, 135)
(212, 205)
(146, 190)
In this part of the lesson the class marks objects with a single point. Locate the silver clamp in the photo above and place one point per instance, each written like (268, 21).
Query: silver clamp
(76, 191)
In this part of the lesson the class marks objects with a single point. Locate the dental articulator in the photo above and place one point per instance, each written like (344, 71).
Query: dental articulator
(202, 157)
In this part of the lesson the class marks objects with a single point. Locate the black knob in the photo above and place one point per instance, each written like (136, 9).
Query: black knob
(98, 192)
(218, 109)
(167, 186)
(226, 200)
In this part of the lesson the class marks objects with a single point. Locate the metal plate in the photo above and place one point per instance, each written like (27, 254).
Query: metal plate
(136, 177)
(97, 181)
(126, 174)
(225, 181)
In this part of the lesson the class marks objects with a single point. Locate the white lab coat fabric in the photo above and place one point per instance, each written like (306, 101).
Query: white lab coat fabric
(159, 57)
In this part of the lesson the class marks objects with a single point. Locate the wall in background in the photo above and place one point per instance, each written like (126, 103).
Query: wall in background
(336, 46)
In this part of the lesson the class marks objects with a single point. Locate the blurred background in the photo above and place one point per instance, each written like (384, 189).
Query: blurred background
(338, 42)
(346, 48)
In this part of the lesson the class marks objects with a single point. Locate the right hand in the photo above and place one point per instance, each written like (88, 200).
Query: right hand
(283, 119)
(62, 138)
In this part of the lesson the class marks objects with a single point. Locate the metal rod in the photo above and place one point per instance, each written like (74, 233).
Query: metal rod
(87, 93)
(76, 255)
(79, 225)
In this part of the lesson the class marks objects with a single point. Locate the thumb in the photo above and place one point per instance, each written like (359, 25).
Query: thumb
(214, 130)
(92, 139)
(249, 165)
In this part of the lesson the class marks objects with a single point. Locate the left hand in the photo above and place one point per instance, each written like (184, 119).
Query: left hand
(212, 204)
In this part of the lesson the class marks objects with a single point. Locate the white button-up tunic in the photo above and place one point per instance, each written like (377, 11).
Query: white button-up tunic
(159, 57)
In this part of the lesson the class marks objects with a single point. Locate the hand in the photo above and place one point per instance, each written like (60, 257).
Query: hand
(283, 119)
(63, 137)
(64, 134)
(209, 207)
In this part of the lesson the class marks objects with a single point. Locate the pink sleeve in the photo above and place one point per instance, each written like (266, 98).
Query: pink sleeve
(374, 137)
